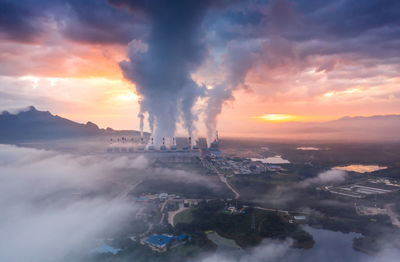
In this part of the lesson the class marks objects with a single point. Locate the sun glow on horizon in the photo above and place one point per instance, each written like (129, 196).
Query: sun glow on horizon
(282, 118)
(277, 117)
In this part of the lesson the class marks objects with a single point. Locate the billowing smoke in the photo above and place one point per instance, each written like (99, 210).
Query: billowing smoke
(237, 61)
(162, 70)
(216, 98)
(163, 64)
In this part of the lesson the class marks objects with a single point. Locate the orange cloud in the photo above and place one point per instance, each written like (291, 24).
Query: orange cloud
(66, 60)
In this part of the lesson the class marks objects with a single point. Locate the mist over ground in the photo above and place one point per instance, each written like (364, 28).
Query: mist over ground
(335, 248)
(55, 205)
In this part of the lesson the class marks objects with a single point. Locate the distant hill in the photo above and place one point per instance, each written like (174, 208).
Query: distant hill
(33, 124)
(357, 128)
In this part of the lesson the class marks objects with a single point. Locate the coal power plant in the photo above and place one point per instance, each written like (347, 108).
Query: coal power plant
(174, 147)
(170, 148)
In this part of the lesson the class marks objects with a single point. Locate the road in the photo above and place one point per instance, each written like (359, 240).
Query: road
(225, 181)
(161, 210)
(281, 211)
(128, 188)
(271, 209)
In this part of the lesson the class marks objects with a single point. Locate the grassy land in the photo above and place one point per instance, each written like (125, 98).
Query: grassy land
(221, 241)
(185, 217)
(238, 227)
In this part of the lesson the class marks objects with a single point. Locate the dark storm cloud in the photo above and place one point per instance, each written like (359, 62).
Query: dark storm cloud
(102, 21)
(19, 22)
(343, 19)
(98, 22)
(91, 21)
(367, 27)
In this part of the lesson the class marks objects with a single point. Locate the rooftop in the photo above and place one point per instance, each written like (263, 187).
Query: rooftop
(159, 240)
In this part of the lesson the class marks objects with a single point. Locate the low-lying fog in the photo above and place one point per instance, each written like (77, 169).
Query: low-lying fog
(54, 205)
(330, 246)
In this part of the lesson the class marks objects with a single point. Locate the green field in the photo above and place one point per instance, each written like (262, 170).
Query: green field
(222, 241)
(184, 217)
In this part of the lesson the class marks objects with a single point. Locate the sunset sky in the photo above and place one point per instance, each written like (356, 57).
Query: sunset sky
(308, 60)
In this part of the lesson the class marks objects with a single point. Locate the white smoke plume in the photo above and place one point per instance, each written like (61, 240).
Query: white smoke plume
(162, 71)
(237, 61)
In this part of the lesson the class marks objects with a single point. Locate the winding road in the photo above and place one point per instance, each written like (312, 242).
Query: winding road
(225, 181)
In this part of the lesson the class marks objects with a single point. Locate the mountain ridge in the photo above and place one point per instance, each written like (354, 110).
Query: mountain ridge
(33, 124)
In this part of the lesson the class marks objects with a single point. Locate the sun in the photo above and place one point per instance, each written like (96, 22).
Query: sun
(277, 117)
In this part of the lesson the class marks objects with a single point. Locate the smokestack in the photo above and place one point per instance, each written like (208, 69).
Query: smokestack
(216, 136)
(173, 146)
(141, 117)
(190, 142)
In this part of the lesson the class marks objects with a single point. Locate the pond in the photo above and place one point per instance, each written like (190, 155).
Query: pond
(360, 168)
(308, 148)
(272, 160)
(221, 242)
(329, 246)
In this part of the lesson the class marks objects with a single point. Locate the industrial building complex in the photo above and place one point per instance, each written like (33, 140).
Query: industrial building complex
(180, 148)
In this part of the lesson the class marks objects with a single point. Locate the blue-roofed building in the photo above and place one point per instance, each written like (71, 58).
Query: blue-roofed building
(141, 199)
(159, 242)
(182, 237)
(105, 249)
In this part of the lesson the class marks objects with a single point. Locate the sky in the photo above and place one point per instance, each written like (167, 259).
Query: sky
(200, 65)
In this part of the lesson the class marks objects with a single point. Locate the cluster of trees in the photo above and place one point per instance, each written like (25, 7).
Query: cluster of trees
(247, 228)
